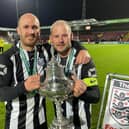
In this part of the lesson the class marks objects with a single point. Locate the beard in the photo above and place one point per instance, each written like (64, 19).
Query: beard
(64, 51)
(29, 40)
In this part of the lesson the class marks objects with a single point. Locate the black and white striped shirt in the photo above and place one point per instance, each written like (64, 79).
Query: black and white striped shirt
(23, 110)
(79, 108)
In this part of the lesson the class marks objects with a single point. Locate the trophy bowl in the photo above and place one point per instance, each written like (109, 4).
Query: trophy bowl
(56, 89)
(56, 84)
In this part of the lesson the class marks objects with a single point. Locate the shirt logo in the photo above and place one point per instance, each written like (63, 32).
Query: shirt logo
(41, 61)
(93, 81)
(3, 70)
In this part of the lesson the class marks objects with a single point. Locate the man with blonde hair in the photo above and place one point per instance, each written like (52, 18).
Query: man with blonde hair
(85, 89)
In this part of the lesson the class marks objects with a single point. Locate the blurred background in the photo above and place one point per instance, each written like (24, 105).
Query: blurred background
(92, 21)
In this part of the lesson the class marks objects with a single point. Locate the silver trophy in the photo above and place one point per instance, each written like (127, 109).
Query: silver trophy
(58, 88)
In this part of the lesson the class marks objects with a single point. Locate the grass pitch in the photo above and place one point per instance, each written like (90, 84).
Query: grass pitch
(108, 59)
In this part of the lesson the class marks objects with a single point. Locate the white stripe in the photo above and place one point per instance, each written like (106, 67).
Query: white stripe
(69, 111)
(14, 69)
(41, 111)
(79, 71)
(71, 65)
(15, 103)
(29, 115)
(40, 69)
(14, 114)
(82, 115)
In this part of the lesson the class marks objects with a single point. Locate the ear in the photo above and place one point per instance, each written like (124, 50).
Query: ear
(50, 38)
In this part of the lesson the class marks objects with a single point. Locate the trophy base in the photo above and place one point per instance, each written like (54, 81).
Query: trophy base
(64, 124)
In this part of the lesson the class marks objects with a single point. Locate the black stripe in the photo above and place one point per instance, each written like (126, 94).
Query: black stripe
(22, 112)
(43, 126)
(44, 106)
(87, 111)
(76, 119)
(8, 114)
(36, 111)
(64, 108)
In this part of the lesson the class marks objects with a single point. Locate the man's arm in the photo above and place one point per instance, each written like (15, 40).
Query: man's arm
(7, 89)
(83, 56)
(86, 88)
(8, 93)
(91, 95)
(77, 46)
(89, 77)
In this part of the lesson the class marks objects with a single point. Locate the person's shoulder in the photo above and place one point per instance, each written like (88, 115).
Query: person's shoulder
(8, 53)
(75, 42)
(5, 59)
(77, 45)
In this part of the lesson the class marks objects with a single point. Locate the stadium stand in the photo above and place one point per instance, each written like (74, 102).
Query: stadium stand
(98, 32)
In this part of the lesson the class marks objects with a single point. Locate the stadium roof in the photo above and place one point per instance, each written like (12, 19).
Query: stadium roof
(95, 26)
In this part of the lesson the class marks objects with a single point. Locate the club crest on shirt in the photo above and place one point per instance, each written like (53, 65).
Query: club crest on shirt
(41, 61)
(119, 102)
(3, 70)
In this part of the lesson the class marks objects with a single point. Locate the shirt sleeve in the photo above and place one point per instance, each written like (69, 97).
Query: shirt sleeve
(7, 89)
(92, 94)
(78, 46)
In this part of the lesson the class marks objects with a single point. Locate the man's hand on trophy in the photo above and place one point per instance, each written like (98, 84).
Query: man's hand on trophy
(83, 57)
(32, 82)
(79, 87)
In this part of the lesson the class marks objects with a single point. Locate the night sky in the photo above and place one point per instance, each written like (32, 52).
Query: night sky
(50, 10)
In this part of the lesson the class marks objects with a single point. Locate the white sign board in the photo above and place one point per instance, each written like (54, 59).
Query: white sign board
(117, 108)
(115, 114)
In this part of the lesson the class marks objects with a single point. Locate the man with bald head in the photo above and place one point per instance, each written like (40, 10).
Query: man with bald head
(20, 70)
(29, 30)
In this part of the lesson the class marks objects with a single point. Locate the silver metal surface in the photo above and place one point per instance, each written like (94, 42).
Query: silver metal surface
(58, 88)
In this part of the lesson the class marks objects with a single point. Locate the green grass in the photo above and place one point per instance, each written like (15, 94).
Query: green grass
(6, 47)
(108, 59)
(2, 115)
